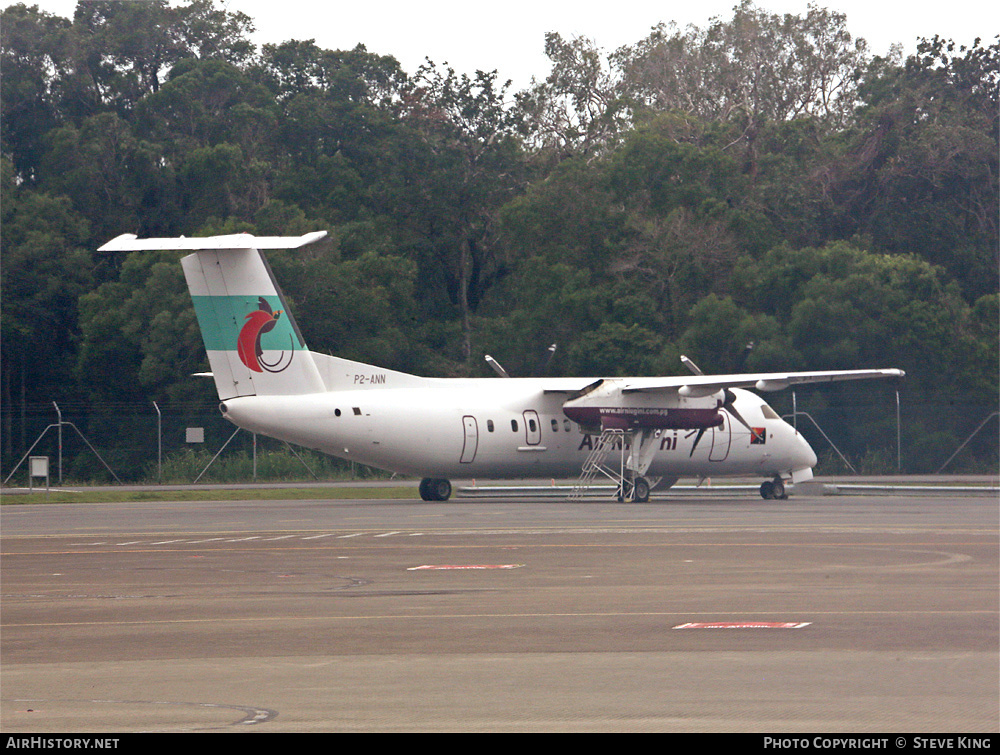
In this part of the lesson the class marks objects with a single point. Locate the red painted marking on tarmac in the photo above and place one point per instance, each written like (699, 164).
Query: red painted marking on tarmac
(745, 625)
(465, 566)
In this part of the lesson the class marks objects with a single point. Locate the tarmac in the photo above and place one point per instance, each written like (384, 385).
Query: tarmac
(691, 613)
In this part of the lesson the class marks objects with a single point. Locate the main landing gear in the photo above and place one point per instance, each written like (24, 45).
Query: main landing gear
(773, 489)
(432, 489)
(634, 449)
(635, 490)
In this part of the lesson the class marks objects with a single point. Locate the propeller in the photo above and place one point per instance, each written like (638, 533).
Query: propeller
(543, 365)
(728, 401)
(496, 367)
(542, 368)
(729, 404)
(691, 365)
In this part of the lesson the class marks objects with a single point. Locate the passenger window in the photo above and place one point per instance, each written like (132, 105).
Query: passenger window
(489, 425)
(513, 425)
(555, 425)
(531, 425)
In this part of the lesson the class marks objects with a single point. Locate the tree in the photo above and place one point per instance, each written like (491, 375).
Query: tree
(470, 133)
(755, 70)
(723, 337)
(44, 268)
(220, 131)
(543, 301)
(678, 221)
(615, 349)
(921, 171)
(844, 307)
(676, 257)
(129, 47)
(300, 67)
(111, 176)
(757, 67)
(344, 152)
(35, 55)
(112, 54)
(578, 109)
(758, 180)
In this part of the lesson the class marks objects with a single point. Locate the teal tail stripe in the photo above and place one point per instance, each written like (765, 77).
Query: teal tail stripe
(222, 318)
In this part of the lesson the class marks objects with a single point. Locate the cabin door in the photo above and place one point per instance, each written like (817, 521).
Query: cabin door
(471, 430)
(722, 437)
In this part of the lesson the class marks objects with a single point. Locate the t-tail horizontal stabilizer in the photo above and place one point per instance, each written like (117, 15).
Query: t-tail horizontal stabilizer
(129, 242)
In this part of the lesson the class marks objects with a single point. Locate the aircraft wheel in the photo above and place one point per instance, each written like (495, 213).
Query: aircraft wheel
(435, 489)
(442, 490)
(640, 490)
(767, 490)
(778, 489)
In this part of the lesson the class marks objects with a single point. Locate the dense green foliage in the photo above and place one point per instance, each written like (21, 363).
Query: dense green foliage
(761, 194)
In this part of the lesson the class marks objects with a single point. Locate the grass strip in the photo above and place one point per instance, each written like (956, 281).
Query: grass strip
(83, 495)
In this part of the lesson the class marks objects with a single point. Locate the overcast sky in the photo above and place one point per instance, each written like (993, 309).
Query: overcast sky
(509, 35)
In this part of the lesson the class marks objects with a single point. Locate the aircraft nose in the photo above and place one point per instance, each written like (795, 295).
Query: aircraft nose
(804, 454)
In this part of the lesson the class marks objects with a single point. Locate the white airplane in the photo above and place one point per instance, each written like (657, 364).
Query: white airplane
(659, 428)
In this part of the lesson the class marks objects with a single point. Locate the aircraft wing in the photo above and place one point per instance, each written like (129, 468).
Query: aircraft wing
(129, 242)
(660, 402)
(570, 385)
(705, 385)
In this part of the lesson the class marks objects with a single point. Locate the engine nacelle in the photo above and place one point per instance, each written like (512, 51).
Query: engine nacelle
(607, 406)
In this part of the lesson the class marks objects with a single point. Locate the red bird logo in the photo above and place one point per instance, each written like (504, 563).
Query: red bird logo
(258, 322)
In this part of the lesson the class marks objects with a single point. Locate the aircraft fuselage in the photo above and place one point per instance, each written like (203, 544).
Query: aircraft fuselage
(507, 428)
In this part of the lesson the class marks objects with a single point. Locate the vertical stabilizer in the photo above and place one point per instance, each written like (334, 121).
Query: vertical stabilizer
(254, 345)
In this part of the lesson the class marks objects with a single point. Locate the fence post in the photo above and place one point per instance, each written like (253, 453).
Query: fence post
(159, 444)
(899, 447)
(59, 415)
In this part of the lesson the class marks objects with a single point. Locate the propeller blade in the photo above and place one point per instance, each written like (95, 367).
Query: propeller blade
(691, 365)
(697, 440)
(729, 405)
(496, 367)
(543, 365)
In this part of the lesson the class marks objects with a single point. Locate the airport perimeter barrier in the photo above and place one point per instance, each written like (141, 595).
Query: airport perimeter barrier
(872, 433)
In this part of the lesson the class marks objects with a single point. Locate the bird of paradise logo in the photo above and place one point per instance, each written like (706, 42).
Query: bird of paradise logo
(260, 321)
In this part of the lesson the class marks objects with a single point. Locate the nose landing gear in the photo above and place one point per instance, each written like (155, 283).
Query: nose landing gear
(773, 489)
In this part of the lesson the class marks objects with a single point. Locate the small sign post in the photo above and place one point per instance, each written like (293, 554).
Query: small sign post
(38, 466)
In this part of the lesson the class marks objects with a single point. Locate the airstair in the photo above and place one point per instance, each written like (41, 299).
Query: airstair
(598, 462)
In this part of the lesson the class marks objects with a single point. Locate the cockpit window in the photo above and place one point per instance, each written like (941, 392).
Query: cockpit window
(768, 412)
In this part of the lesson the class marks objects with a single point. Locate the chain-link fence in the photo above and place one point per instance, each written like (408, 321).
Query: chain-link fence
(853, 431)
(151, 443)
